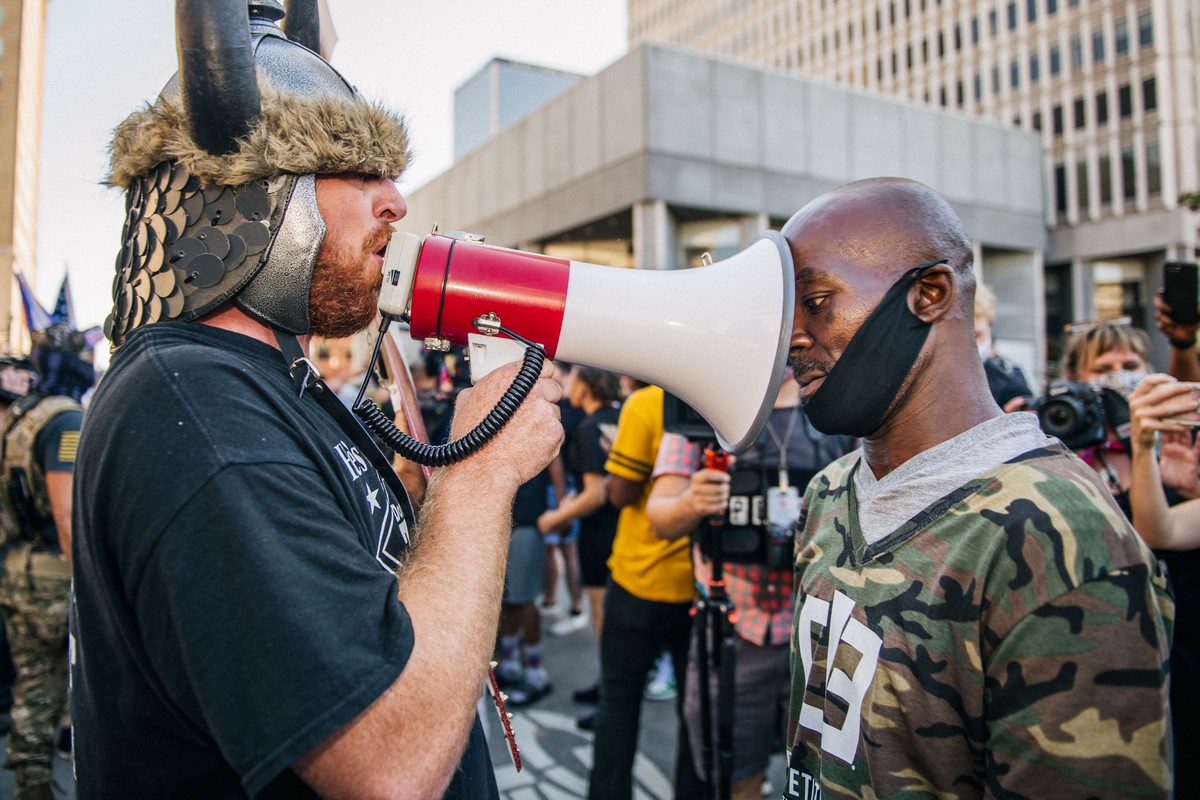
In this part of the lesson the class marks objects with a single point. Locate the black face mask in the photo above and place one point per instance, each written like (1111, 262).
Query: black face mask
(865, 380)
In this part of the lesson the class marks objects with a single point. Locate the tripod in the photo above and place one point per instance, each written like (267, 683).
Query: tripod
(714, 623)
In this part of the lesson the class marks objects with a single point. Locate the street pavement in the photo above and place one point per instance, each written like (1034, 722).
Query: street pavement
(556, 756)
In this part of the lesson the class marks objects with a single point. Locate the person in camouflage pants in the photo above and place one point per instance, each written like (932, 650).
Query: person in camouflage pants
(40, 437)
(975, 617)
(34, 593)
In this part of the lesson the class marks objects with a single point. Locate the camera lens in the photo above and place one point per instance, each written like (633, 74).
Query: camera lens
(1059, 418)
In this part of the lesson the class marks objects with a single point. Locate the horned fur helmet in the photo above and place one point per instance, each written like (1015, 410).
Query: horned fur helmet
(220, 171)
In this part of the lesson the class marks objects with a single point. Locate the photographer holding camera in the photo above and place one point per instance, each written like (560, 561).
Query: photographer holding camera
(762, 495)
(1112, 426)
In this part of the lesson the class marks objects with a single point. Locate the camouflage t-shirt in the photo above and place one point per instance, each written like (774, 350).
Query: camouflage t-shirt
(1010, 640)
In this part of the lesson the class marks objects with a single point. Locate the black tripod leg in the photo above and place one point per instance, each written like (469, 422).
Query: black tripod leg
(725, 697)
(706, 715)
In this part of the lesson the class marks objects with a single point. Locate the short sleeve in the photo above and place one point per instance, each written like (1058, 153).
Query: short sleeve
(677, 456)
(638, 432)
(58, 441)
(265, 606)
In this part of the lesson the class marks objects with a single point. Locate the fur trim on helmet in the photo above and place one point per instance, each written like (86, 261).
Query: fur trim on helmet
(324, 134)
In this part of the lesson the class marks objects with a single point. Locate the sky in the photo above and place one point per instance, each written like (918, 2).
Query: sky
(106, 59)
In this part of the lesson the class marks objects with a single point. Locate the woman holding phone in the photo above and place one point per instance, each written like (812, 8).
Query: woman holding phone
(1165, 414)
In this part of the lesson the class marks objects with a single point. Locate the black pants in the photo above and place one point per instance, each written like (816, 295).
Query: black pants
(635, 633)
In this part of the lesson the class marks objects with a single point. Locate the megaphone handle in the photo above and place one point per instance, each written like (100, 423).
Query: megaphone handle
(451, 452)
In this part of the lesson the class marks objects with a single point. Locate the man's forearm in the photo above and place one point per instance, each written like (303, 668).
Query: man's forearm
(451, 584)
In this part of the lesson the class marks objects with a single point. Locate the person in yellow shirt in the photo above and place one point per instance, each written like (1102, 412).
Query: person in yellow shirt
(647, 606)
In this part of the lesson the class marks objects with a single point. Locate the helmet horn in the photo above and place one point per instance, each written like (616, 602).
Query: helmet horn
(303, 23)
(216, 71)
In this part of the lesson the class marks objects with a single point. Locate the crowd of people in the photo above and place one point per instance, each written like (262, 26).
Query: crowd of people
(904, 583)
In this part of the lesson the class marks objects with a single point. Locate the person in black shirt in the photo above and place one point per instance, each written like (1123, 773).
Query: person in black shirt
(257, 612)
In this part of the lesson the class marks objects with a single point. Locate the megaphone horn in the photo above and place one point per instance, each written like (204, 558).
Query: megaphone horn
(714, 336)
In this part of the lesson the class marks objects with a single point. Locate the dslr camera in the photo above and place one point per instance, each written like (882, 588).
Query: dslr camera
(746, 535)
(1079, 414)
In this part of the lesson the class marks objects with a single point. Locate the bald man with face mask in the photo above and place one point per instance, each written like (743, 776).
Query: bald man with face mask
(974, 615)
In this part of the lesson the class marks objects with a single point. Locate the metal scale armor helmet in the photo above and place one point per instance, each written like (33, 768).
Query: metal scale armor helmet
(220, 172)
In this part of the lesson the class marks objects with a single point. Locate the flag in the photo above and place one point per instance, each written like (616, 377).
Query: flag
(64, 308)
(36, 317)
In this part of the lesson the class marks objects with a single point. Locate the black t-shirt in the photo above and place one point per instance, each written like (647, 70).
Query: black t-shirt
(585, 454)
(234, 600)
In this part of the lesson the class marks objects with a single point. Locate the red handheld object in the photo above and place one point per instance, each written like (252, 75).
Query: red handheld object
(716, 458)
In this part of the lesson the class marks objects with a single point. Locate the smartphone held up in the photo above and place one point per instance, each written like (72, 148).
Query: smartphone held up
(1180, 291)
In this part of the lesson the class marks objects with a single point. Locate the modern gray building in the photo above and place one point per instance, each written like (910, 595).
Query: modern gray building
(668, 154)
(500, 94)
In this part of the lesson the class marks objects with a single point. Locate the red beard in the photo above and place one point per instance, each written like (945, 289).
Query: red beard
(344, 294)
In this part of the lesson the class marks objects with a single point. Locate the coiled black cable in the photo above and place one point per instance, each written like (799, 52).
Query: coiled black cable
(451, 452)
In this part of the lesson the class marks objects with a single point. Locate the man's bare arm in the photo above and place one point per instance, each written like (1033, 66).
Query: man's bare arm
(409, 741)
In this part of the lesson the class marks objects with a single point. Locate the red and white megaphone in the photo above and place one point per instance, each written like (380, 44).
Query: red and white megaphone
(715, 336)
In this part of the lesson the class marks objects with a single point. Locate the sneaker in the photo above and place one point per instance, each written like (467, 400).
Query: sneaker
(531, 689)
(508, 673)
(577, 621)
(588, 696)
(660, 689)
(662, 682)
(551, 611)
(587, 722)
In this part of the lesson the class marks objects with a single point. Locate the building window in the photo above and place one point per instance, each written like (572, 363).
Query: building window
(1125, 101)
(1153, 170)
(1012, 16)
(1060, 188)
(1055, 60)
(942, 96)
(1034, 68)
(978, 87)
(908, 56)
(1102, 108)
(1031, 10)
(1051, 6)
(1106, 194)
(1080, 116)
(1149, 94)
(1036, 122)
(974, 30)
(941, 44)
(957, 37)
(1076, 53)
(1121, 37)
(1145, 29)
(1057, 120)
(995, 80)
(1014, 75)
(1097, 47)
(992, 22)
(1081, 185)
(1128, 174)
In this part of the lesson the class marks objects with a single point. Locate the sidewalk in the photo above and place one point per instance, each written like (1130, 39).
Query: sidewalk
(556, 756)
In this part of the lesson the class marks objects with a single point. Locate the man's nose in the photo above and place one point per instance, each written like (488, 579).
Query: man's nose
(390, 205)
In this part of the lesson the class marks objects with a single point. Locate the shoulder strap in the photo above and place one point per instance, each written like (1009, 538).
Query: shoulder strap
(308, 381)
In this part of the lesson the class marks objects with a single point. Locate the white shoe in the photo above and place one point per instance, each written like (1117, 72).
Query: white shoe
(572, 623)
(551, 612)
(662, 683)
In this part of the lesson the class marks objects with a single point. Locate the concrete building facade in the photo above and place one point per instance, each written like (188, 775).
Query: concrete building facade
(667, 154)
(22, 39)
(1108, 86)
